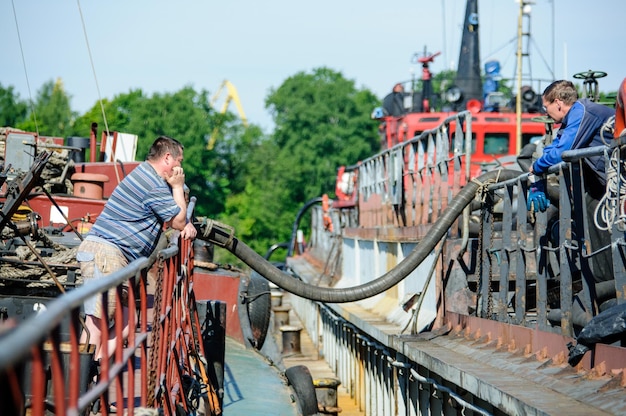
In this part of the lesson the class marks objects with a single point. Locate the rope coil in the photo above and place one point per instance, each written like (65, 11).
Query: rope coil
(483, 187)
(611, 207)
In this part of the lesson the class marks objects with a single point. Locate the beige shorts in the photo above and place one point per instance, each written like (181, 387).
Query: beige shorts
(98, 259)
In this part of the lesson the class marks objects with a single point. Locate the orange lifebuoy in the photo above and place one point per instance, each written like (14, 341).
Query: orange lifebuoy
(328, 222)
(345, 184)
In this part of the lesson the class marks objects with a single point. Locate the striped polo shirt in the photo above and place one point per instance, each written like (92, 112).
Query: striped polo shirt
(134, 215)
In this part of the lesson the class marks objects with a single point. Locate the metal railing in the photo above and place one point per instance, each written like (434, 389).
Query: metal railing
(526, 271)
(552, 262)
(416, 179)
(379, 379)
(526, 268)
(43, 368)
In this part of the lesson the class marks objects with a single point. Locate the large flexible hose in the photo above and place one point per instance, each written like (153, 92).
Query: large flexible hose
(296, 223)
(214, 233)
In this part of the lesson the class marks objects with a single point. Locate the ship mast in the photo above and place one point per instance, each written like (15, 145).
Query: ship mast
(468, 77)
(524, 10)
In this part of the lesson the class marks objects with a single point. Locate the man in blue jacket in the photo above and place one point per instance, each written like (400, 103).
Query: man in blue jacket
(584, 123)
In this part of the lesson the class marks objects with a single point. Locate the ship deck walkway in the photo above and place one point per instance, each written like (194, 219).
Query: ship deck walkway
(475, 362)
(310, 357)
(251, 386)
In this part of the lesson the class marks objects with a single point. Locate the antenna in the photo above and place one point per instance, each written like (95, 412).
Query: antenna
(524, 42)
(523, 38)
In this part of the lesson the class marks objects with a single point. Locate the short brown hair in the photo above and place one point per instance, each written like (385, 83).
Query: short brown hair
(561, 90)
(163, 145)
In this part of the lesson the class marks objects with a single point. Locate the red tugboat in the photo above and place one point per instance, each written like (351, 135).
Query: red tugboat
(501, 126)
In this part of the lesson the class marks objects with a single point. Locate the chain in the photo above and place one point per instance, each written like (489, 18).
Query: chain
(489, 292)
(483, 192)
(479, 260)
(156, 333)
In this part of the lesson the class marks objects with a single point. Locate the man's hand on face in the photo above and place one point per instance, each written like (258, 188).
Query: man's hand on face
(177, 178)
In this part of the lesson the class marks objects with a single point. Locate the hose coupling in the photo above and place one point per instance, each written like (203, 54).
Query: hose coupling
(212, 229)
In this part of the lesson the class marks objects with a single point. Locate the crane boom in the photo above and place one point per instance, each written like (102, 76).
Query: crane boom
(230, 96)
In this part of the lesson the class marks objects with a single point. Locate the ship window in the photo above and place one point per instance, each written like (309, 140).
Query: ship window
(496, 144)
(496, 120)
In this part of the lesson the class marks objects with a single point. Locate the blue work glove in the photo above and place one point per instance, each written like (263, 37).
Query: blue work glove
(537, 200)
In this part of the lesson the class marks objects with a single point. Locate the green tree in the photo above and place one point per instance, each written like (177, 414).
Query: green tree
(187, 116)
(118, 113)
(53, 115)
(261, 212)
(13, 110)
(322, 121)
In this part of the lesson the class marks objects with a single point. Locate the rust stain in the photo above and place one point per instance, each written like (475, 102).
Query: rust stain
(499, 343)
(512, 346)
(468, 332)
(542, 354)
(548, 348)
(598, 371)
(528, 350)
(559, 358)
(477, 335)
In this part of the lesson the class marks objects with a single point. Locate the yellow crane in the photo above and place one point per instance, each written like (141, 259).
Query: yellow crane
(230, 96)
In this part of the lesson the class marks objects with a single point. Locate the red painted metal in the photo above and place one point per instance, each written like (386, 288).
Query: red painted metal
(177, 341)
(92, 142)
(533, 342)
(77, 208)
(58, 379)
(223, 286)
(37, 400)
(114, 171)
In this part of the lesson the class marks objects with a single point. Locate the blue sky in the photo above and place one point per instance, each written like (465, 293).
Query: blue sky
(162, 46)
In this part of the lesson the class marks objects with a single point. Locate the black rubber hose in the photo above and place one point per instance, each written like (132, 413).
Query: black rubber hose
(379, 285)
(604, 291)
(296, 223)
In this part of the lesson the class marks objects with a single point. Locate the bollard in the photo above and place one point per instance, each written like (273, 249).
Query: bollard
(277, 298)
(281, 315)
(291, 339)
(326, 393)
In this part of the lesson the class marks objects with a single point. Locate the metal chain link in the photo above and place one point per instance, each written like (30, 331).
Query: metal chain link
(491, 254)
(156, 335)
(479, 260)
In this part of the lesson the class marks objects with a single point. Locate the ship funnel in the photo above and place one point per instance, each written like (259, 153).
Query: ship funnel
(468, 73)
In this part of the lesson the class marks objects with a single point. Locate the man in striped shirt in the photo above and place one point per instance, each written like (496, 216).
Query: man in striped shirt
(148, 199)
